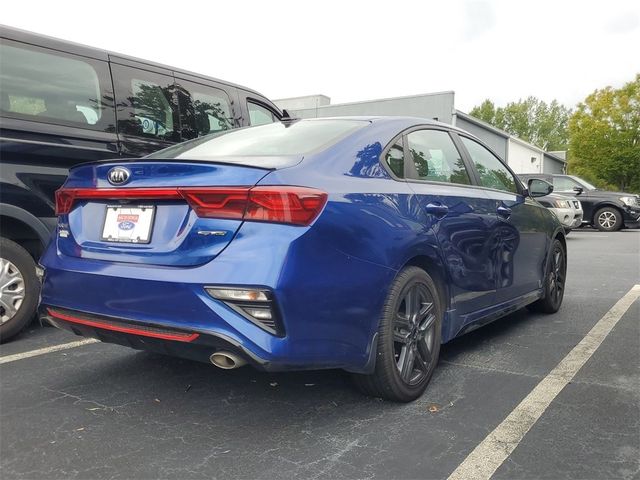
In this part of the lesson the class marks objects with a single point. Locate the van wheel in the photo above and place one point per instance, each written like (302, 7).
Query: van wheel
(554, 281)
(608, 219)
(19, 289)
(408, 339)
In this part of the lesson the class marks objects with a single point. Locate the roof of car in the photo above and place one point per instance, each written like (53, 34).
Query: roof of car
(396, 119)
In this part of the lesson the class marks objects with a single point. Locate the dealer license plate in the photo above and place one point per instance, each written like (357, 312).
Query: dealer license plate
(126, 224)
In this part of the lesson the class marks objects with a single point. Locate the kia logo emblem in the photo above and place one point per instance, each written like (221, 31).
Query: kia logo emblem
(119, 175)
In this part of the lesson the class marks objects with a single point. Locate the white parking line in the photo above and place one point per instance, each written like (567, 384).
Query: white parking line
(487, 457)
(42, 351)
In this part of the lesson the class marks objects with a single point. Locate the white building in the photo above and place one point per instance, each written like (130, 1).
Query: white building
(521, 156)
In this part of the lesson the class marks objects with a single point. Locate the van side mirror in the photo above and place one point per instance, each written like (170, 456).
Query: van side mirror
(539, 187)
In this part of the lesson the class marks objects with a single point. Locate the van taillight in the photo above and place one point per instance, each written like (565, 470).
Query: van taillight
(279, 204)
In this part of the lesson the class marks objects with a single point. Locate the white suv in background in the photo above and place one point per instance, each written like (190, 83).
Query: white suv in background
(567, 209)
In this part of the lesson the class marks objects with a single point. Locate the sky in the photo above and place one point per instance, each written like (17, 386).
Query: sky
(352, 50)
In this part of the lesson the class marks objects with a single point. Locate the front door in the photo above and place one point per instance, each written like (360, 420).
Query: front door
(517, 221)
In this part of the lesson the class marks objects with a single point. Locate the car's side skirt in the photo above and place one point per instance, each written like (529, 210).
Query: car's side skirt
(477, 319)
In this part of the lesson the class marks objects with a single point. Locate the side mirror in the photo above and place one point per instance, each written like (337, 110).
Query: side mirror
(578, 190)
(539, 188)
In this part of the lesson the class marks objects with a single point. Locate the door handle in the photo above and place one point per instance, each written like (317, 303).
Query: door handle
(503, 212)
(437, 209)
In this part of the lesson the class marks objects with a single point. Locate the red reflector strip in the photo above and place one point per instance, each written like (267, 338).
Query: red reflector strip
(176, 336)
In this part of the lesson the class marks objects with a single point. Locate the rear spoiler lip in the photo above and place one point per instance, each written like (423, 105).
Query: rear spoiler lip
(247, 164)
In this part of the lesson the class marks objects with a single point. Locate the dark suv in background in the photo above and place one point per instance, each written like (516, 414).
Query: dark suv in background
(62, 104)
(604, 210)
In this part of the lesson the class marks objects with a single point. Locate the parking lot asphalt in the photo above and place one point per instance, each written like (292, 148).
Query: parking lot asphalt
(104, 411)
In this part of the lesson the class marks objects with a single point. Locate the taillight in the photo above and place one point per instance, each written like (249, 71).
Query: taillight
(217, 202)
(64, 201)
(279, 204)
(296, 205)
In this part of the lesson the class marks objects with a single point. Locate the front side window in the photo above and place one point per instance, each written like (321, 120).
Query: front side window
(565, 184)
(493, 173)
(145, 104)
(273, 140)
(259, 115)
(436, 158)
(395, 159)
(40, 84)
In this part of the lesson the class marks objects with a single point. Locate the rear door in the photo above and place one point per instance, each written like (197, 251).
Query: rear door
(517, 220)
(458, 212)
(146, 107)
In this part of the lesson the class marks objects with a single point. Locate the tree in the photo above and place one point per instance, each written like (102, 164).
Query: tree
(531, 119)
(604, 137)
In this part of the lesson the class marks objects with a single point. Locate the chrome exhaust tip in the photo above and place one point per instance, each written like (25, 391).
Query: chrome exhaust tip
(226, 360)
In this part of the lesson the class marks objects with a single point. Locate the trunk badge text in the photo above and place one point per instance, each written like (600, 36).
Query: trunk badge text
(213, 233)
(118, 175)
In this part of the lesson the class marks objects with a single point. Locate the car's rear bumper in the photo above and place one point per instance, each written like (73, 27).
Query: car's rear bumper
(320, 328)
(169, 341)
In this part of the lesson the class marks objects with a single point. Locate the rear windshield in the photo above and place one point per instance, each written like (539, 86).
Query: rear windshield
(295, 138)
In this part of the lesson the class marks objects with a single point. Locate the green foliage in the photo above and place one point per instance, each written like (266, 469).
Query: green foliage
(531, 119)
(604, 134)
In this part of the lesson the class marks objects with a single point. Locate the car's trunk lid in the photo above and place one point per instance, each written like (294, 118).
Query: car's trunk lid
(150, 218)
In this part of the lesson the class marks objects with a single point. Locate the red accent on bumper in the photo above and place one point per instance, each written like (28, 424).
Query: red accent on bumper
(175, 336)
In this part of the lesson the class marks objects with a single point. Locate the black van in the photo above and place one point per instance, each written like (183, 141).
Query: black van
(63, 103)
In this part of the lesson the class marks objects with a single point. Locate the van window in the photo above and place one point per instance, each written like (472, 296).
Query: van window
(203, 109)
(259, 115)
(54, 87)
(145, 104)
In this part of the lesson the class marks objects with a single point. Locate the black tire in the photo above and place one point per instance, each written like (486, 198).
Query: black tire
(13, 257)
(554, 281)
(419, 340)
(608, 219)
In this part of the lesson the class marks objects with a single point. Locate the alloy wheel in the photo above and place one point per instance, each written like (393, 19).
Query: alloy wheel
(557, 275)
(12, 290)
(414, 334)
(607, 219)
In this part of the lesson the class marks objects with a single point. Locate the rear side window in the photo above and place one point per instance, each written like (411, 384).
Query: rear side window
(436, 158)
(259, 115)
(493, 174)
(276, 139)
(54, 87)
(203, 109)
(145, 103)
(395, 159)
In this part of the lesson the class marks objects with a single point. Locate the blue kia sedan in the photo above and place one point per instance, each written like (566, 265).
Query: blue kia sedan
(353, 243)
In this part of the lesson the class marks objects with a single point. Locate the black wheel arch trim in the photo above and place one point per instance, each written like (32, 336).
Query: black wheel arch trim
(34, 223)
